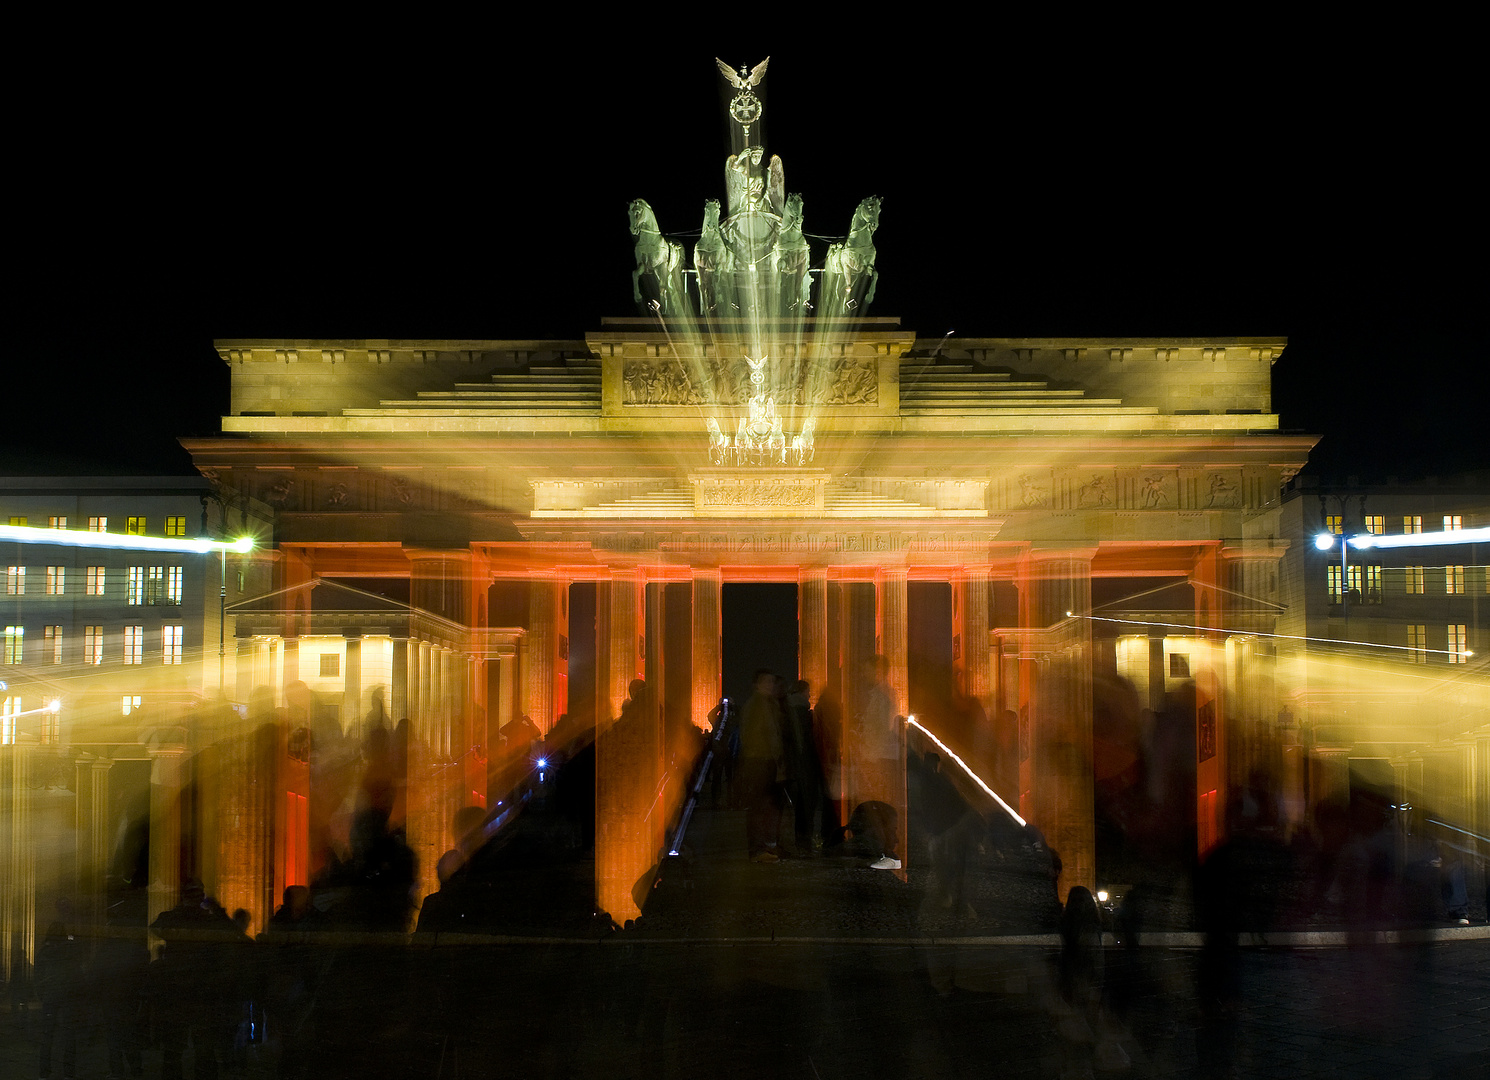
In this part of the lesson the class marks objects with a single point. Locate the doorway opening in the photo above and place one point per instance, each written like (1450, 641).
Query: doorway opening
(760, 631)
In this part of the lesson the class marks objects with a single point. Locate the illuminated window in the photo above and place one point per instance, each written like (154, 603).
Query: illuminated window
(134, 644)
(330, 665)
(1458, 644)
(134, 589)
(134, 526)
(94, 581)
(52, 635)
(92, 644)
(175, 526)
(1412, 524)
(15, 580)
(1372, 593)
(173, 584)
(1453, 522)
(18, 521)
(170, 637)
(15, 640)
(51, 728)
(8, 710)
(1417, 643)
(1353, 577)
(129, 703)
(1415, 577)
(1335, 524)
(56, 523)
(1453, 580)
(56, 580)
(1376, 525)
(98, 524)
(155, 585)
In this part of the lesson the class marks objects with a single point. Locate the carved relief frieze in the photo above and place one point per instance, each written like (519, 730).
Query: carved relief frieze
(854, 380)
(1224, 491)
(665, 380)
(1034, 491)
(746, 493)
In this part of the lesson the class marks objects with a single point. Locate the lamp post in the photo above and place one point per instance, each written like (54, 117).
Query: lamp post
(1326, 540)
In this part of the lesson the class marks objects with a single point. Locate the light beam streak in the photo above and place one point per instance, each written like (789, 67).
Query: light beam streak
(965, 768)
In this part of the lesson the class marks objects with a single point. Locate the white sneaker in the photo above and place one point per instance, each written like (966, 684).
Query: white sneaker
(885, 863)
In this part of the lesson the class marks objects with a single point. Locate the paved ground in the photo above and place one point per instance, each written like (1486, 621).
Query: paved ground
(826, 970)
(848, 1011)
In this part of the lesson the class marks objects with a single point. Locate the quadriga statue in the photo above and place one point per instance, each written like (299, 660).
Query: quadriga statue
(714, 262)
(789, 260)
(850, 265)
(658, 258)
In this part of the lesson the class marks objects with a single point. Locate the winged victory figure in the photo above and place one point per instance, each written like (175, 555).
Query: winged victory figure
(747, 77)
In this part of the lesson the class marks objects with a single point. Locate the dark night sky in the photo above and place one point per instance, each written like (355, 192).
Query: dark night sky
(399, 183)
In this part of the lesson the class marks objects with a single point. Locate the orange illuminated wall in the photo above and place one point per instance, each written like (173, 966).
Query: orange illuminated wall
(296, 867)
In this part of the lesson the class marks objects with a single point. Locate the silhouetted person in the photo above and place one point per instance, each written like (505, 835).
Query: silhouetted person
(195, 982)
(803, 770)
(292, 974)
(375, 883)
(59, 976)
(117, 978)
(827, 730)
(1082, 1026)
(954, 829)
(759, 768)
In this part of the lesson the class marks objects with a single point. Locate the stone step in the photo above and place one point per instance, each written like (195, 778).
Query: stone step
(566, 394)
(943, 367)
(969, 380)
(476, 405)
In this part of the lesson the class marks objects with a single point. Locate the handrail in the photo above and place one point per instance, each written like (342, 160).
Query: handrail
(694, 789)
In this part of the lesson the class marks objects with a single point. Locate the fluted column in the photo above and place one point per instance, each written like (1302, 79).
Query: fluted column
(707, 657)
(893, 631)
(351, 688)
(542, 653)
(627, 758)
(165, 827)
(892, 618)
(974, 668)
(93, 828)
(1056, 707)
(398, 695)
(18, 870)
(812, 627)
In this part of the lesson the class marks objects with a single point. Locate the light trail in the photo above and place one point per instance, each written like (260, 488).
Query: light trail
(1261, 634)
(1397, 540)
(34, 534)
(965, 768)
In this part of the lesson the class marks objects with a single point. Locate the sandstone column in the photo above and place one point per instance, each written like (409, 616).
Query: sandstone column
(626, 756)
(351, 693)
(542, 654)
(166, 760)
(707, 656)
(812, 628)
(18, 870)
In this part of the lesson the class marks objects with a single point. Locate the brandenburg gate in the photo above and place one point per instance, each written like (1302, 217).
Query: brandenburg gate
(751, 424)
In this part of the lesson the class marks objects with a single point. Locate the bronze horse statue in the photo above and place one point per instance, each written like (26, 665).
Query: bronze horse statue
(851, 263)
(658, 257)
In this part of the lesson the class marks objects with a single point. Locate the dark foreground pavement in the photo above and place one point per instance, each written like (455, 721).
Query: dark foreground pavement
(849, 1011)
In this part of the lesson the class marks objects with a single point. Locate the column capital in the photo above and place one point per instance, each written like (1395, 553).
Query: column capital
(1270, 549)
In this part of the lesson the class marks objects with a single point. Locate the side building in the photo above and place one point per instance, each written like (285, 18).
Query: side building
(113, 649)
(1387, 652)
